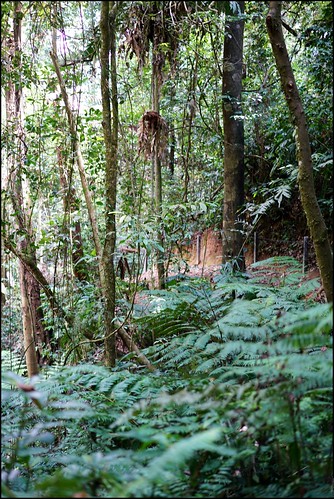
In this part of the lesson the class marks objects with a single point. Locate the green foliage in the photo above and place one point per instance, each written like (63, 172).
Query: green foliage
(13, 361)
(270, 144)
(240, 402)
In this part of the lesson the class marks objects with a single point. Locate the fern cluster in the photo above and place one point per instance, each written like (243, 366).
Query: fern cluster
(239, 405)
(13, 361)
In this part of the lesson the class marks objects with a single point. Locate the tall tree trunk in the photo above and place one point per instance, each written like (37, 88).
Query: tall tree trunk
(315, 221)
(233, 141)
(4, 257)
(187, 125)
(109, 300)
(3, 280)
(110, 131)
(107, 281)
(35, 336)
(156, 85)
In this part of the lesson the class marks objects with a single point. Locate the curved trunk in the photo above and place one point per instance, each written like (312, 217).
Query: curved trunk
(79, 158)
(315, 221)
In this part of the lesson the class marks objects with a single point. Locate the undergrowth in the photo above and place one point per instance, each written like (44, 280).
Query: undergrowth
(239, 405)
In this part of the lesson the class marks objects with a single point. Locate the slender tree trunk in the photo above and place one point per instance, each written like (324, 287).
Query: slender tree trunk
(189, 115)
(35, 336)
(315, 221)
(4, 257)
(106, 267)
(171, 156)
(156, 85)
(233, 141)
(71, 206)
(3, 280)
(77, 150)
(110, 130)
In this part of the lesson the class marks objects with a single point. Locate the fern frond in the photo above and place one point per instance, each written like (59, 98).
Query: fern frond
(13, 361)
(278, 262)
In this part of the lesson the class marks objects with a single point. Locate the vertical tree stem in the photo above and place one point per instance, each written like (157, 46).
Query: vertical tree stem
(315, 220)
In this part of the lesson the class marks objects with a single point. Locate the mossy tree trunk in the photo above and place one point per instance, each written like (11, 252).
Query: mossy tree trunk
(110, 130)
(156, 169)
(33, 330)
(315, 221)
(105, 264)
(233, 141)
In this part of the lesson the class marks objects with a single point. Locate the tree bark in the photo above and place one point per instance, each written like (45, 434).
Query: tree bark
(233, 142)
(3, 281)
(110, 131)
(106, 265)
(315, 221)
(35, 336)
(31, 267)
(188, 119)
(156, 170)
(28, 326)
(71, 207)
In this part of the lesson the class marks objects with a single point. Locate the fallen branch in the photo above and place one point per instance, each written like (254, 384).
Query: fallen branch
(142, 359)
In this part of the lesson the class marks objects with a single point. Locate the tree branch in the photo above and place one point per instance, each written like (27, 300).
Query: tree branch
(142, 359)
(288, 28)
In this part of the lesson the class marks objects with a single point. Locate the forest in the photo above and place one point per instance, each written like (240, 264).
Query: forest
(166, 249)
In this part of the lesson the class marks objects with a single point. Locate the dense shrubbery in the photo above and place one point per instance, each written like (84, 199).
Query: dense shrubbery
(240, 403)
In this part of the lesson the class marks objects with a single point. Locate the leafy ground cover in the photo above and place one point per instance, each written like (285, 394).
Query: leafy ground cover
(239, 403)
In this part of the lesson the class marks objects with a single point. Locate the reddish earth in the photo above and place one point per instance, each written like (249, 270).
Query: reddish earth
(203, 255)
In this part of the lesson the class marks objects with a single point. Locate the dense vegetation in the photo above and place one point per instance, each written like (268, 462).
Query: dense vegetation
(222, 387)
(239, 404)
